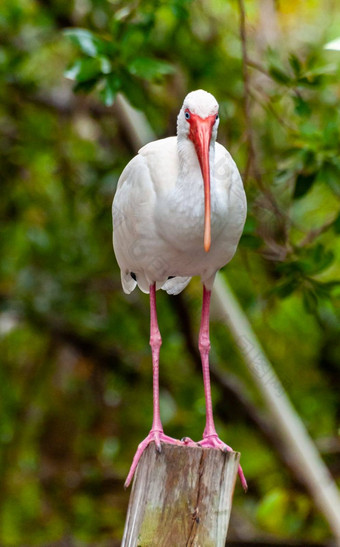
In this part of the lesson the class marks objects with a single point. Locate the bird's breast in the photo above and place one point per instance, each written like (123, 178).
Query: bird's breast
(179, 217)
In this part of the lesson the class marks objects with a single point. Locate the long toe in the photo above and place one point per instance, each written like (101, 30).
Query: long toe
(154, 436)
(169, 440)
(213, 441)
(134, 464)
(242, 478)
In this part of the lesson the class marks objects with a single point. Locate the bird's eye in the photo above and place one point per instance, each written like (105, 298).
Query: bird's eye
(187, 115)
(216, 117)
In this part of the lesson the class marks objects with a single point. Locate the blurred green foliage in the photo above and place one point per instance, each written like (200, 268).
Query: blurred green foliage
(75, 374)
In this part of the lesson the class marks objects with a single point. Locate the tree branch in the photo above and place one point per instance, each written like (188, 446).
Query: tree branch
(251, 166)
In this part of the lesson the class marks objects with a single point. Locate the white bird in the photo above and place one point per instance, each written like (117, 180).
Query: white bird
(179, 211)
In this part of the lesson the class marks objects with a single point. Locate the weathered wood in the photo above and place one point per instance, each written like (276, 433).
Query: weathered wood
(181, 497)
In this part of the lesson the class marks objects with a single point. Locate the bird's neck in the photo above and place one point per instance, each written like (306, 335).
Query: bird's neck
(189, 172)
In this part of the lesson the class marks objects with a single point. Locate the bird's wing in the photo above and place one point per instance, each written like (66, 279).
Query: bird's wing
(228, 180)
(136, 244)
(226, 172)
(229, 183)
(162, 160)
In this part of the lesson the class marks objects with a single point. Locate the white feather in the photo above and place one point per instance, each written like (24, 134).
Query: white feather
(158, 210)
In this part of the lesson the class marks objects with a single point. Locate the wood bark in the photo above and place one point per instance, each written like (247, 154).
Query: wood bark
(181, 496)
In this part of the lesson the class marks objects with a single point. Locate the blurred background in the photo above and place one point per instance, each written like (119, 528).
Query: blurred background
(75, 374)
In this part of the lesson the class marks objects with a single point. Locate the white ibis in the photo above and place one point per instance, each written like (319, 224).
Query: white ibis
(179, 211)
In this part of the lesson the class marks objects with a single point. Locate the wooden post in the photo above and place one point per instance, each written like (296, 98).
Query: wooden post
(181, 497)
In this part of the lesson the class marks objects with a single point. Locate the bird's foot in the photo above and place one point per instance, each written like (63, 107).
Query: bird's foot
(156, 436)
(213, 441)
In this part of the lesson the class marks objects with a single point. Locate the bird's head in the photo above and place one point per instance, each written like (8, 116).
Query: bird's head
(198, 121)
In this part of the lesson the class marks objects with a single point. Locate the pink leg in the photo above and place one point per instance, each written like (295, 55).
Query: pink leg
(210, 437)
(156, 433)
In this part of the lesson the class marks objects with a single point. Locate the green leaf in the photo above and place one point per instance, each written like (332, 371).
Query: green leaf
(324, 290)
(303, 184)
(86, 86)
(72, 72)
(310, 300)
(89, 44)
(302, 108)
(322, 258)
(83, 70)
(315, 260)
(286, 288)
(148, 68)
(295, 64)
(112, 85)
(316, 76)
(279, 75)
(104, 64)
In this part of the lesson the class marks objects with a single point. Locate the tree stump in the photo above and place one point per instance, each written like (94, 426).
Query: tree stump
(181, 497)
